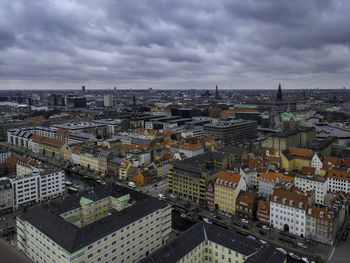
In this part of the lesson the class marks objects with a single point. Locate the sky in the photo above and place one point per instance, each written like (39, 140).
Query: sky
(179, 44)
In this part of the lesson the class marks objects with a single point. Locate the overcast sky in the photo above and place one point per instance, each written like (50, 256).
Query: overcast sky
(174, 44)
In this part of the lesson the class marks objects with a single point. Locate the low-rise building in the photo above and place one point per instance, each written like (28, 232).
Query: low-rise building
(210, 196)
(4, 154)
(108, 224)
(246, 205)
(324, 223)
(250, 176)
(52, 148)
(312, 183)
(317, 163)
(295, 158)
(288, 210)
(6, 195)
(263, 212)
(227, 188)
(268, 181)
(338, 179)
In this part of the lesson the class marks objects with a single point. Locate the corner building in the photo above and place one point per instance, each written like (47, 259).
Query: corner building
(106, 224)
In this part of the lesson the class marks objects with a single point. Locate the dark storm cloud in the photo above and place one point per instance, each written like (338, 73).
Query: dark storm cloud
(167, 43)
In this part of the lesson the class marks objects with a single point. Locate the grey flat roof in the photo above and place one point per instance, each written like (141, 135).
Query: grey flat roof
(46, 217)
(200, 232)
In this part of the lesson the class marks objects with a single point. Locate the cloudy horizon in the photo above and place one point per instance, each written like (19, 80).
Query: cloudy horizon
(62, 44)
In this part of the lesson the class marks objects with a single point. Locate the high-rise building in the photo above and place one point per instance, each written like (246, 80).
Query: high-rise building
(75, 102)
(82, 88)
(108, 100)
(106, 224)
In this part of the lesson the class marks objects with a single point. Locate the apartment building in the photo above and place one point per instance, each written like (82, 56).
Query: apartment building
(338, 180)
(268, 181)
(188, 179)
(41, 183)
(312, 183)
(246, 204)
(263, 212)
(106, 224)
(250, 176)
(288, 210)
(324, 223)
(4, 154)
(210, 243)
(227, 188)
(6, 195)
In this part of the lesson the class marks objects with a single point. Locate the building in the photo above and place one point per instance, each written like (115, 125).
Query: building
(246, 205)
(268, 181)
(190, 150)
(52, 148)
(227, 188)
(210, 243)
(89, 158)
(295, 158)
(298, 137)
(109, 224)
(324, 223)
(10, 124)
(108, 100)
(4, 154)
(210, 196)
(263, 212)
(43, 183)
(288, 210)
(317, 163)
(6, 196)
(188, 179)
(231, 131)
(75, 102)
(250, 176)
(142, 178)
(338, 179)
(312, 183)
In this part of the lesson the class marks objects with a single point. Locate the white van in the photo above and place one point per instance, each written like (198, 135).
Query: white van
(132, 184)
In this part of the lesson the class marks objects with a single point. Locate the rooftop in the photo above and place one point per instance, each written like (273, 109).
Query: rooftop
(201, 232)
(47, 219)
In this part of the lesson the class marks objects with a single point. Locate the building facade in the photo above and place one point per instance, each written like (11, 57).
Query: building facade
(111, 224)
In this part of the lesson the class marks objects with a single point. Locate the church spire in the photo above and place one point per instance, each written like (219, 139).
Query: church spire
(279, 93)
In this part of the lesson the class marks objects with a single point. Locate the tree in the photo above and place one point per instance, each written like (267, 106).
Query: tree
(3, 169)
(173, 137)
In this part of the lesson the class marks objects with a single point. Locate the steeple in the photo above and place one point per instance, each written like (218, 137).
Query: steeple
(279, 93)
(216, 92)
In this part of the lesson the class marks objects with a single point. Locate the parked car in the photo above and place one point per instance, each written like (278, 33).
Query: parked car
(245, 227)
(245, 221)
(263, 242)
(259, 225)
(348, 227)
(237, 223)
(299, 244)
(265, 227)
(283, 251)
(251, 237)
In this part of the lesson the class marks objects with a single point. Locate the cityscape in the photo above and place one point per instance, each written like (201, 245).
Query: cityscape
(156, 133)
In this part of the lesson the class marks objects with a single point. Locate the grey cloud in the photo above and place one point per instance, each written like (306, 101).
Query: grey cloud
(171, 43)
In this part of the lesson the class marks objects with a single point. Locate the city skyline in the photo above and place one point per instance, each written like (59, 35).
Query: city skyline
(177, 45)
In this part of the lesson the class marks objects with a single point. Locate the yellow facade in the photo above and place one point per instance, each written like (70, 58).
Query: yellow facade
(294, 164)
(225, 198)
(89, 161)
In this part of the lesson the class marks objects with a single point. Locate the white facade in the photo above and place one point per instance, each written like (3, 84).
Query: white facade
(307, 183)
(41, 185)
(316, 163)
(283, 214)
(197, 132)
(4, 155)
(335, 185)
(250, 177)
(190, 153)
(33, 146)
(108, 100)
(76, 158)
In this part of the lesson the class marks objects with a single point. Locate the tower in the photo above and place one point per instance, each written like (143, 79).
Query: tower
(216, 92)
(82, 88)
(279, 93)
(134, 123)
